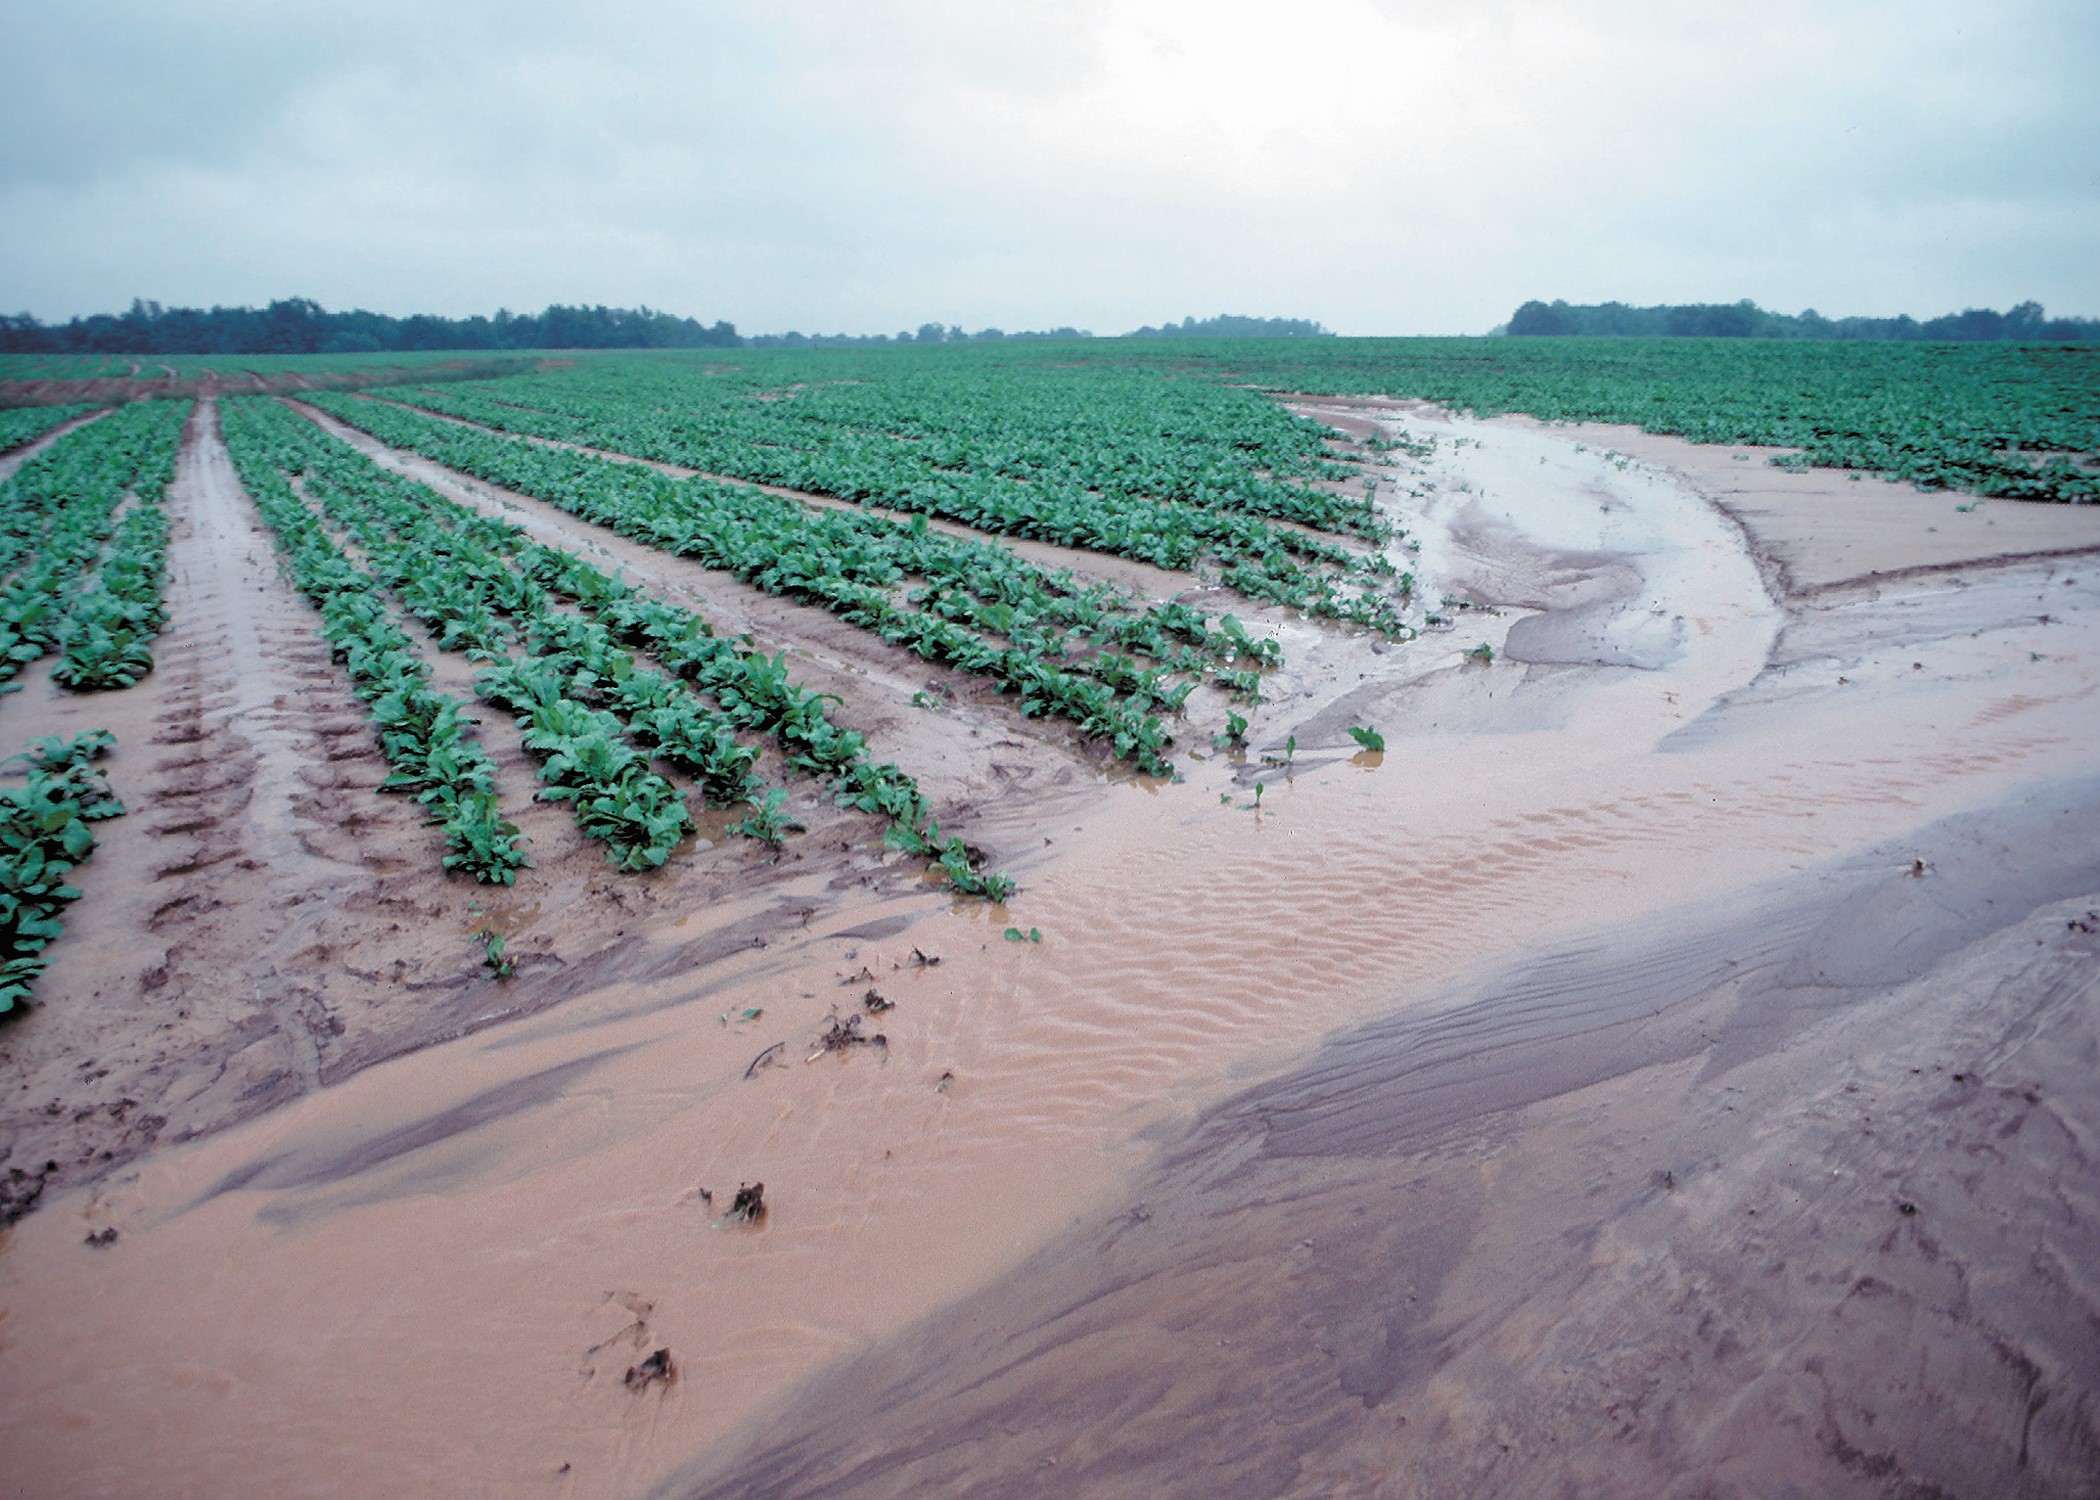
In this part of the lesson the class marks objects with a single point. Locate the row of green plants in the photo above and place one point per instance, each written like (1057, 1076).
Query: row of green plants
(558, 642)
(45, 833)
(83, 542)
(993, 459)
(1084, 652)
(425, 735)
(472, 602)
(25, 424)
(107, 639)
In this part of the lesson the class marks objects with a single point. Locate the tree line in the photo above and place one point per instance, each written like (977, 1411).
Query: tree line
(1745, 319)
(927, 333)
(1232, 326)
(298, 325)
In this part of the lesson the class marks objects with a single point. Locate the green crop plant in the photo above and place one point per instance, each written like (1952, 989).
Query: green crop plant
(769, 823)
(492, 955)
(44, 836)
(1367, 737)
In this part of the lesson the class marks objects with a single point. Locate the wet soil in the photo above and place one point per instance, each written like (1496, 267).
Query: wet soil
(1798, 1202)
(1616, 952)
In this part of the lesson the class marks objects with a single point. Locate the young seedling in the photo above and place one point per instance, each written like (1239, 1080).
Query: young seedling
(1235, 733)
(492, 959)
(768, 823)
(1482, 653)
(1367, 737)
(1016, 935)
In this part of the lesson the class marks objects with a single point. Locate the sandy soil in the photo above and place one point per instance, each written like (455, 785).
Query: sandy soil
(1527, 1110)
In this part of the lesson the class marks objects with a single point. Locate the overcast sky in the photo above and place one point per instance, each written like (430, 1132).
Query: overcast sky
(1385, 166)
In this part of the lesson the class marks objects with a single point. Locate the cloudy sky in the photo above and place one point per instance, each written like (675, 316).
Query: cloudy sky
(1385, 166)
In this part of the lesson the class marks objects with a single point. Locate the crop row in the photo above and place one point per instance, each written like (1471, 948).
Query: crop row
(22, 424)
(423, 733)
(44, 835)
(1084, 652)
(483, 586)
(73, 572)
(682, 418)
(611, 791)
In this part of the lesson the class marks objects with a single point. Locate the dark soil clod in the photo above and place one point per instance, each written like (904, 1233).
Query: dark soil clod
(874, 1002)
(102, 1238)
(749, 1204)
(657, 1367)
(843, 1034)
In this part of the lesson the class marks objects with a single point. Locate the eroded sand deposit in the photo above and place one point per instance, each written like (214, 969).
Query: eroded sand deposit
(1668, 1068)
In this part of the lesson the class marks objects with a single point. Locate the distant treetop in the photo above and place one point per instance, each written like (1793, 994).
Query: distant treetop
(1229, 326)
(1745, 319)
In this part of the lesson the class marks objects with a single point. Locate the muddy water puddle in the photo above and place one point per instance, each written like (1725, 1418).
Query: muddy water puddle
(433, 1277)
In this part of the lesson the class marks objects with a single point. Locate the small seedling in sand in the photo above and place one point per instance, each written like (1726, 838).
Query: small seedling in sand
(1367, 737)
(1482, 653)
(875, 1003)
(1235, 733)
(748, 1013)
(492, 959)
(1016, 935)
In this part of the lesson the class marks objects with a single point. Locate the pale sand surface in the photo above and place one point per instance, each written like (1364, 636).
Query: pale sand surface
(429, 1275)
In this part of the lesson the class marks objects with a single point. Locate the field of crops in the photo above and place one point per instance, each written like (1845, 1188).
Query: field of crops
(814, 477)
(1993, 419)
(886, 489)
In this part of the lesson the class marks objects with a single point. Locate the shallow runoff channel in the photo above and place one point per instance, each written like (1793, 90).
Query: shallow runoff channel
(434, 1277)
